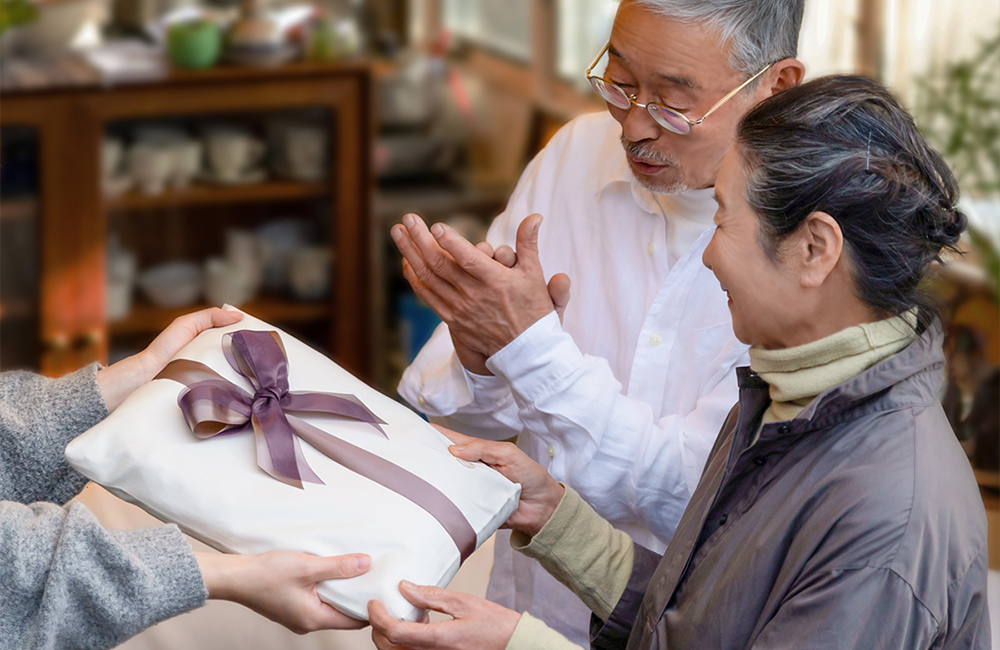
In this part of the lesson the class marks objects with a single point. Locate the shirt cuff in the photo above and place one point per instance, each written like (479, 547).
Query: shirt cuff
(532, 634)
(583, 551)
(533, 362)
(487, 389)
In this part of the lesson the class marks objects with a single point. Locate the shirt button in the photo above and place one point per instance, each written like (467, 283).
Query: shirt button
(722, 520)
(651, 248)
(551, 451)
(655, 340)
(421, 401)
(784, 428)
(760, 461)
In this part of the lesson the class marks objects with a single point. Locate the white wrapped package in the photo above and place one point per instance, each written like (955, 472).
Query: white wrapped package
(413, 511)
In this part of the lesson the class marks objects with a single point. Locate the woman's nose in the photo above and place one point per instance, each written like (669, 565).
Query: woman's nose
(706, 254)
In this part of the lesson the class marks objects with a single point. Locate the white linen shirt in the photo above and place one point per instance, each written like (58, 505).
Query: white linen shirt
(624, 399)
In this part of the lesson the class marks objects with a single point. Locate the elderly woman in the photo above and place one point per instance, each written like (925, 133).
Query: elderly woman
(837, 509)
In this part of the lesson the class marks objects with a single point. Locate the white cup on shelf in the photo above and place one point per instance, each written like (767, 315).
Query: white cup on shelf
(247, 254)
(150, 166)
(187, 155)
(233, 155)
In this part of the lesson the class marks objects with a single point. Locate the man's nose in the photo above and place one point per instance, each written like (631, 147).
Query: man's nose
(639, 125)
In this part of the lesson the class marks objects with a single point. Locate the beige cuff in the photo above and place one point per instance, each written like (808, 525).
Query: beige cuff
(583, 551)
(532, 634)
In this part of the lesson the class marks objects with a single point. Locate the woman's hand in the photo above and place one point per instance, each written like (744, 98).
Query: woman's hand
(281, 586)
(476, 623)
(540, 493)
(118, 381)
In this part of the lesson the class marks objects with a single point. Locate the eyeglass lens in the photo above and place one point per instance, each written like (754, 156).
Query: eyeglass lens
(617, 97)
(612, 94)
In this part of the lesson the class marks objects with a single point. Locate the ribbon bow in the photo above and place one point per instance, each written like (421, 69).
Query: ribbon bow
(212, 405)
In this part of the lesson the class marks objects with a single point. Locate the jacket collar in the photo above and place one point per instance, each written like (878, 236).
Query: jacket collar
(910, 378)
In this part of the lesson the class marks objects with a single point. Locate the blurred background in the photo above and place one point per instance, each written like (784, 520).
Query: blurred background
(157, 156)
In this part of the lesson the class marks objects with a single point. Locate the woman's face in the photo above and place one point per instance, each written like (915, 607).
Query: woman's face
(763, 293)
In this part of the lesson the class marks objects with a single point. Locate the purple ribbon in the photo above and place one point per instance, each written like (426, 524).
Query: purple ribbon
(212, 405)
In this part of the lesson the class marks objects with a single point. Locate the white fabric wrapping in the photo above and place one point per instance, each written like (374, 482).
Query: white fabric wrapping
(145, 453)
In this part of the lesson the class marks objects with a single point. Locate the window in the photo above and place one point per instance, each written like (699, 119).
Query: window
(500, 25)
(583, 29)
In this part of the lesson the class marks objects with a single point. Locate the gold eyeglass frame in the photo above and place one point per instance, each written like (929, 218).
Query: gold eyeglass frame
(632, 98)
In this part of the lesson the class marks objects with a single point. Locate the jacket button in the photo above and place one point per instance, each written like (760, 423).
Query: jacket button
(784, 428)
(760, 461)
(722, 520)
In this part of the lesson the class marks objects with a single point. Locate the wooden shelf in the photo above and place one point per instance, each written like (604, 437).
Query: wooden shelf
(150, 319)
(18, 209)
(208, 195)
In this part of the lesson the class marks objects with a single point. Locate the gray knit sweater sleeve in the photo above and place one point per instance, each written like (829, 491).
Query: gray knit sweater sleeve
(38, 418)
(66, 582)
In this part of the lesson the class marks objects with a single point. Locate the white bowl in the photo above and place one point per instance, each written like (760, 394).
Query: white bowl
(175, 284)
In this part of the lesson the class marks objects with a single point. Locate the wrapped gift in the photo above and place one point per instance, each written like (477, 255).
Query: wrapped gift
(251, 441)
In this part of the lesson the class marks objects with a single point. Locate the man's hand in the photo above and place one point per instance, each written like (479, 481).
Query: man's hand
(559, 293)
(558, 288)
(119, 380)
(281, 586)
(540, 493)
(485, 304)
(476, 623)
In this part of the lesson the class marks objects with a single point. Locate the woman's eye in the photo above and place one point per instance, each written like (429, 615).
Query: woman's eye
(622, 84)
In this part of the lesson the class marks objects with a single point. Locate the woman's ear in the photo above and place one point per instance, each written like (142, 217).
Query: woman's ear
(821, 245)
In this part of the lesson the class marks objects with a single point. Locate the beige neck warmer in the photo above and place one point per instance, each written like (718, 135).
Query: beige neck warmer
(797, 375)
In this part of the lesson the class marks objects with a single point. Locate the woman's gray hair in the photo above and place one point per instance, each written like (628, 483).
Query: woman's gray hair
(843, 145)
(758, 32)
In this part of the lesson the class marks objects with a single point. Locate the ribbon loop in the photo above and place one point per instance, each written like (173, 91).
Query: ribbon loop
(212, 405)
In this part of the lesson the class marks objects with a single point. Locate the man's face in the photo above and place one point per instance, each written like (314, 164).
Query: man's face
(684, 67)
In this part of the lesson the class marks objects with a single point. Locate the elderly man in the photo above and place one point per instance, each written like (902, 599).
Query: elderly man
(623, 398)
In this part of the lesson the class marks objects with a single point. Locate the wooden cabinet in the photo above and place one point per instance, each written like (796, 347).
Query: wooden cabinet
(74, 217)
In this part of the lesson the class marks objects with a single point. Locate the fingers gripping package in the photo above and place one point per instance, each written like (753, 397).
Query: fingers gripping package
(251, 441)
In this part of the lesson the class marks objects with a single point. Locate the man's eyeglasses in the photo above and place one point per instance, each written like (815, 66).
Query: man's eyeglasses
(670, 119)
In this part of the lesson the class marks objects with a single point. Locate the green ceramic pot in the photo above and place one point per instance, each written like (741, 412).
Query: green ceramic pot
(195, 44)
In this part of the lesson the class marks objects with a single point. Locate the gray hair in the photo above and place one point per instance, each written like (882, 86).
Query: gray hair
(843, 145)
(758, 32)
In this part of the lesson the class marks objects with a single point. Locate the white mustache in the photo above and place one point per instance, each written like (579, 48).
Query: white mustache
(646, 153)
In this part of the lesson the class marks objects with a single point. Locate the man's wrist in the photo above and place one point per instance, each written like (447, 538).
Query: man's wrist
(515, 331)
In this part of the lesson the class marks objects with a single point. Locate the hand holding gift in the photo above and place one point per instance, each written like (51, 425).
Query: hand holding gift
(280, 585)
(475, 623)
(76, 580)
(251, 441)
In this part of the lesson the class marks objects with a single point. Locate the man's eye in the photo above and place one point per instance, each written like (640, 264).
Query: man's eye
(622, 84)
(673, 106)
